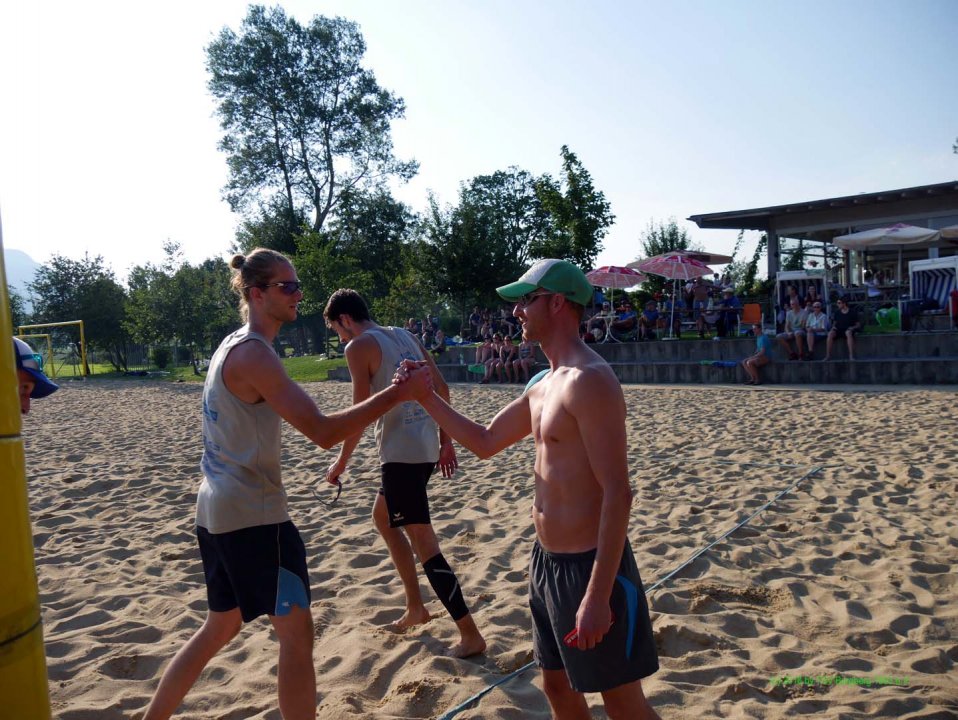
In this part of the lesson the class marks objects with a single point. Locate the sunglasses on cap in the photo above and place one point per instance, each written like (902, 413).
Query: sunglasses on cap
(287, 286)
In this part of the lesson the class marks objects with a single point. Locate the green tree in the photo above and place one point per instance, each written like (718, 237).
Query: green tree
(18, 309)
(87, 290)
(181, 303)
(273, 227)
(580, 214)
(373, 229)
(302, 119)
(657, 239)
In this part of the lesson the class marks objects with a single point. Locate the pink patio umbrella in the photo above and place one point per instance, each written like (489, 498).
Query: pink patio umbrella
(613, 276)
(676, 265)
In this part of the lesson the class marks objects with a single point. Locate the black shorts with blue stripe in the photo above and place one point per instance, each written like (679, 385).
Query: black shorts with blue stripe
(261, 570)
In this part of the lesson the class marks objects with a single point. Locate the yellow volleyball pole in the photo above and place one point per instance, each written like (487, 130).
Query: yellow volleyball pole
(23, 669)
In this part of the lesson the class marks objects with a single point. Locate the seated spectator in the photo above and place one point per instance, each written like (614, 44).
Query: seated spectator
(508, 324)
(673, 314)
(438, 343)
(816, 327)
(426, 338)
(596, 324)
(729, 309)
(626, 319)
(485, 330)
(844, 324)
(812, 296)
(871, 285)
(484, 351)
(507, 355)
(493, 363)
(525, 360)
(413, 327)
(792, 294)
(648, 321)
(762, 356)
(794, 330)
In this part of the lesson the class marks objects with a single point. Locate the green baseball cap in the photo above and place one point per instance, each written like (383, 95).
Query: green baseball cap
(559, 276)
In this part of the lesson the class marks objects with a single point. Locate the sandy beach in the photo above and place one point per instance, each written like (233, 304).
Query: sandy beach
(840, 600)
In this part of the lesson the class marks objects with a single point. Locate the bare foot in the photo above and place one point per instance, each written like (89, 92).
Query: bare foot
(410, 619)
(467, 647)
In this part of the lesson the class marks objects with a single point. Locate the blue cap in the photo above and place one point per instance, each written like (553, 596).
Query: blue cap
(27, 361)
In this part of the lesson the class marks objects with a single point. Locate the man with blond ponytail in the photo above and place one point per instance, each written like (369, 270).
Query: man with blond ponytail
(253, 557)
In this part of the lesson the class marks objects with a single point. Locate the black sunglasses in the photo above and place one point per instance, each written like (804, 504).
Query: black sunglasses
(330, 503)
(287, 286)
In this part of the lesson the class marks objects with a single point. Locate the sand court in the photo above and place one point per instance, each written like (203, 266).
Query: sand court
(838, 600)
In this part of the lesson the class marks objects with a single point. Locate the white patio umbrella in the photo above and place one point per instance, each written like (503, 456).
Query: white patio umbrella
(676, 265)
(898, 235)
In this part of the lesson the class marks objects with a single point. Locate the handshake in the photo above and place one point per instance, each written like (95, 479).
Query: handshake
(415, 379)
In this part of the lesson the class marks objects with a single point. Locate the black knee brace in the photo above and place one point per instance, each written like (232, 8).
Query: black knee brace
(444, 582)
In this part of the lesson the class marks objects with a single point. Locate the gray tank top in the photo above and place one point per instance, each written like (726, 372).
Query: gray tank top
(405, 434)
(241, 450)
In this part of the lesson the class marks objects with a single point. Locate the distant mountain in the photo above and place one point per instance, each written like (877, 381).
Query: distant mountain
(20, 270)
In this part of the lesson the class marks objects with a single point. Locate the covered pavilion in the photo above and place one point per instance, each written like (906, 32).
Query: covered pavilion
(820, 221)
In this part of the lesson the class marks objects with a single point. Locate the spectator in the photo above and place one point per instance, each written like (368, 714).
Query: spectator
(475, 322)
(625, 320)
(507, 355)
(816, 326)
(485, 330)
(484, 352)
(812, 296)
(792, 294)
(648, 321)
(597, 323)
(672, 311)
(492, 363)
(31, 382)
(700, 302)
(794, 330)
(871, 285)
(844, 324)
(729, 309)
(525, 361)
(439, 343)
(763, 356)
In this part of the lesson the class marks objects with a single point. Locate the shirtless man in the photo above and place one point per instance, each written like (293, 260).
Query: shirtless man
(582, 576)
(410, 446)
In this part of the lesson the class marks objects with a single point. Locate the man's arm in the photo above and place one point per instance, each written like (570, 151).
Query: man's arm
(507, 428)
(360, 357)
(448, 462)
(262, 372)
(596, 401)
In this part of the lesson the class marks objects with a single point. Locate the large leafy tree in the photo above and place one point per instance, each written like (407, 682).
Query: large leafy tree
(303, 121)
(182, 303)
(581, 216)
(87, 290)
(659, 238)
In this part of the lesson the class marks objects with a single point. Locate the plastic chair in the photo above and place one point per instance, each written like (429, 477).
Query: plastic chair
(751, 315)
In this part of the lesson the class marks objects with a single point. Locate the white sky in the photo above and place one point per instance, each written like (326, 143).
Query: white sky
(108, 140)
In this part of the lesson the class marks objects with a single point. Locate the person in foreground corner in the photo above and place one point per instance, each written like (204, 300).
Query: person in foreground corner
(253, 558)
(410, 448)
(590, 618)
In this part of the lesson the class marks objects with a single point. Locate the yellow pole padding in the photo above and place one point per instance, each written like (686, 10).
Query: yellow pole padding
(23, 671)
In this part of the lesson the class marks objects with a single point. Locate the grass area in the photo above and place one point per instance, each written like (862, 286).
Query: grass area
(311, 368)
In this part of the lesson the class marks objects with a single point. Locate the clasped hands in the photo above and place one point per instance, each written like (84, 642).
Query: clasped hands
(415, 377)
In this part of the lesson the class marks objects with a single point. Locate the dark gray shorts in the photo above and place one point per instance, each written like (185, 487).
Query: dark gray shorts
(557, 584)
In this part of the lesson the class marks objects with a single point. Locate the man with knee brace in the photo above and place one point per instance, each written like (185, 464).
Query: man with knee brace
(410, 446)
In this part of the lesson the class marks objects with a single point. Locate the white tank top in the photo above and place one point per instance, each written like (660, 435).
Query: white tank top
(241, 453)
(405, 434)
